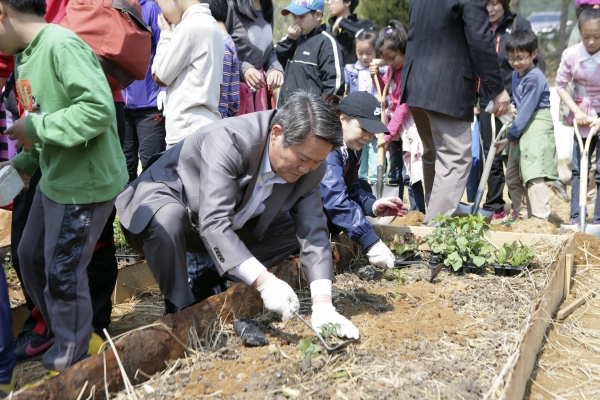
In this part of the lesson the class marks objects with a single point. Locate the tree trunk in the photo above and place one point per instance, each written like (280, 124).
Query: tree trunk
(562, 33)
(146, 350)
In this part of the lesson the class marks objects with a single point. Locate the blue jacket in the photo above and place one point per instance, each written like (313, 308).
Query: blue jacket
(351, 77)
(345, 203)
(142, 94)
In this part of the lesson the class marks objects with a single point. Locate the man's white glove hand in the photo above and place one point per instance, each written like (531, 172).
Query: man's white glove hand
(389, 206)
(325, 313)
(506, 118)
(381, 256)
(161, 100)
(279, 297)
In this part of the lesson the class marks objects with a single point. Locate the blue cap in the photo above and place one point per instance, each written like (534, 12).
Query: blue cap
(301, 7)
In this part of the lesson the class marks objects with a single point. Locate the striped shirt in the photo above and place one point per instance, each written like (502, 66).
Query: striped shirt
(230, 97)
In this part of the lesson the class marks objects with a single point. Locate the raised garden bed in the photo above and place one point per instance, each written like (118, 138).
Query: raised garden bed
(463, 336)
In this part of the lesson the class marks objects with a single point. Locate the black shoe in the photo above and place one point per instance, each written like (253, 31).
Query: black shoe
(559, 189)
(31, 346)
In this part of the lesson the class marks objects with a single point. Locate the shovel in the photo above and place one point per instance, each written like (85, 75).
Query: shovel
(592, 229)
(435, 269)
(381, 150)
(329, 349)
(474, 209)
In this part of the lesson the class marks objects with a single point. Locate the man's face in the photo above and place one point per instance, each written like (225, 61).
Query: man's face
(291, 162)
(338, 7)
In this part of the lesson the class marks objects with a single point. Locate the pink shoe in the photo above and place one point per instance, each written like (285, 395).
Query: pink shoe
(500, 214)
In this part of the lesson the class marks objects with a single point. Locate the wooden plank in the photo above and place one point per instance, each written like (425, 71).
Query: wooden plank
(497, 238)
(132, 278)
(513, 383)
(568, 273)
(19, 315)
(566, 311)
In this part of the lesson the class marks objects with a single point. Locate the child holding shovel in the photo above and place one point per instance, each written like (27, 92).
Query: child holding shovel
(345, 203)
(405, 146)
(579, 64)
(532, 155)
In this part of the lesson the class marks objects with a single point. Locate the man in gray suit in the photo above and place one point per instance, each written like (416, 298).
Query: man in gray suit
(449, 46)
(245, 191)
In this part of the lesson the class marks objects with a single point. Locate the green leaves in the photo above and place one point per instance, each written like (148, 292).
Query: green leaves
(308, 348)
(515, 254)
(460, 240)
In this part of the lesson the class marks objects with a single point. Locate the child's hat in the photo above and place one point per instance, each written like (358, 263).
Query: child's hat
(366, 109)
(301, 7)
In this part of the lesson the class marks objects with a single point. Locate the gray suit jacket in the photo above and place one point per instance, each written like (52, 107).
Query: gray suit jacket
(202, 173)
(449, 46)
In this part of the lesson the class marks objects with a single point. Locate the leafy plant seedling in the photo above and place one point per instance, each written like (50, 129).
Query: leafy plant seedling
(309, 349)
(330, 329)
(406, 245)
(457, 241)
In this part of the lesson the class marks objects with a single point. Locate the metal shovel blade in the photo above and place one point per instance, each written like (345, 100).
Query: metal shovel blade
(435, 270)
(329, 349)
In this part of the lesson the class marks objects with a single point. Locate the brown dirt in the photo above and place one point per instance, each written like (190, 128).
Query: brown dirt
(528, 226)
(446, 340)
(5, 221)
(569, 366)
(413, 218)
(586, 243)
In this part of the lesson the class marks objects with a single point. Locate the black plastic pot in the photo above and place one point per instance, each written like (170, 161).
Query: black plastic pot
(509, 270)
(473, 269)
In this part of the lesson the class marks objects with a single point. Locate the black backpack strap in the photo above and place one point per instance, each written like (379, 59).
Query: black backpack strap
(131, 13)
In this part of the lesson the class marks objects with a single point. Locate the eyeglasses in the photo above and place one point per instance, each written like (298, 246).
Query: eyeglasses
(517, 59)
(331, 1)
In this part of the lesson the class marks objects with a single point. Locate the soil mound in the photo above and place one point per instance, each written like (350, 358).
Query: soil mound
(413, 218)
(531, 225)
(589, 243)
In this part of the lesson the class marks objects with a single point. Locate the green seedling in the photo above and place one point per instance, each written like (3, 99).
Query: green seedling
(515, 254)
(328, 330)
(459, 240)
(309, 349)
(405, 245)
(7, 262)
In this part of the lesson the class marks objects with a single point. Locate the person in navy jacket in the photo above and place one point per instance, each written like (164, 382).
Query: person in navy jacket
(345, 203)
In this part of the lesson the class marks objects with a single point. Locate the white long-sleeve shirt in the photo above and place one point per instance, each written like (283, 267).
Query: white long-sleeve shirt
(190, 61)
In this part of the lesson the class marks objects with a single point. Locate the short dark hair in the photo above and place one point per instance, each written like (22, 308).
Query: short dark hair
(305, 114)
(588, 14)
(393, 37)
(36, 7)
(353, 5)
(219, 9)
(522, 40)
(245, 9)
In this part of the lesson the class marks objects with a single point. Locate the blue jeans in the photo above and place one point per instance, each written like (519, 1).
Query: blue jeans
(398, 175)
(8, 359)
(575, 186)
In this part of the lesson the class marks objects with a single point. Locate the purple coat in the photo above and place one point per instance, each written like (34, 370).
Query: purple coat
(142, 93)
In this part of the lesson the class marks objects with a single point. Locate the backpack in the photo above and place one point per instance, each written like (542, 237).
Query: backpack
(116, 32)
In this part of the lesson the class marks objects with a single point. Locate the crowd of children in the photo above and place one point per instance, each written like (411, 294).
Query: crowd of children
(215, 59)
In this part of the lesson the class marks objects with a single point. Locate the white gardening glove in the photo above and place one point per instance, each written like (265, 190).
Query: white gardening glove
(161, 101)
(506, 118)
(381, 256)
(325, 313)
(279, 297)
(389, 206)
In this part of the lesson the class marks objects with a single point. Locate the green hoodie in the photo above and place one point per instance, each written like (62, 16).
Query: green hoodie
(71, 118)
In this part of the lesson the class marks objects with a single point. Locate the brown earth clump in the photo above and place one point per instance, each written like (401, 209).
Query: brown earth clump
(531, 225)
(589, 243)
(413, 218)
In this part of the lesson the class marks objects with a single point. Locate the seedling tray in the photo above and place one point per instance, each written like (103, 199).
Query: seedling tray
(507, 270)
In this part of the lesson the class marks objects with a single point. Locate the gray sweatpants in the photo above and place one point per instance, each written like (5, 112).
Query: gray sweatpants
(56, 247)
(170, 234)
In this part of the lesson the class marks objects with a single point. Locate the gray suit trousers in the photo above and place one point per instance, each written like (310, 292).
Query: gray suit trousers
(447, 159)
(170, 234)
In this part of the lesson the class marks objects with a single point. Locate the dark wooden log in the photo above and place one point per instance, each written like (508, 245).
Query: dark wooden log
(147, 349)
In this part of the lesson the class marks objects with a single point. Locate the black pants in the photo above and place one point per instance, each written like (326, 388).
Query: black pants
(398, 175)
(144, 135)
(495, 185)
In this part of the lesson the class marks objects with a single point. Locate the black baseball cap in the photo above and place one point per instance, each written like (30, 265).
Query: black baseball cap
(366, 109)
